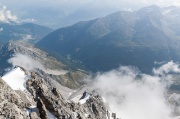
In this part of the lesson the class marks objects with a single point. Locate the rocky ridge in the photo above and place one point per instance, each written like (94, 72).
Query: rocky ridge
(12, 104)
(71, 78)
(43, 100)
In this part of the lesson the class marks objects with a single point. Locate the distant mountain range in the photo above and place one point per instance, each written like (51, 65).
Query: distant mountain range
(26, 31)
(139, 38)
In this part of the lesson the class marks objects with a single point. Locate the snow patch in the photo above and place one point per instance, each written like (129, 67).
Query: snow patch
(16, 79)
(84, 99)
(76, 99)
(35, 109)
(31, 109)
(86, 115)
(104, 100)
(81, 98)
(70, 94)
(50, 115)
(91, 108)
(75, 115)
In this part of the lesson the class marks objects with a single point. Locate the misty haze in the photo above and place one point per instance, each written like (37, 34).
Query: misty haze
(85, 59)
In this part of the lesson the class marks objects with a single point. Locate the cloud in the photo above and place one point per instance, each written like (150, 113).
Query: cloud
(24, 61)
(167, 68)
(80, 3)
(29, 64)
(27, 37)
(159, 63)
(6, 16)
(28, 20)
(1, 29)
(133, 95)
(68, 12)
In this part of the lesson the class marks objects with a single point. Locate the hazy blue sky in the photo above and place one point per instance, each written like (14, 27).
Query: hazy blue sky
(89, 3)
(58, 13)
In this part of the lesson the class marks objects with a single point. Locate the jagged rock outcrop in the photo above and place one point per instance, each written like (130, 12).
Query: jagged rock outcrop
(41, 99)
(42, 109)
(12, 105)
(51, 98)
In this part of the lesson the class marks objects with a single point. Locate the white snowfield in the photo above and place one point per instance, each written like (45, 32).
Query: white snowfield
(82, 101)
(50, 115)
(16, 79)
(77, 98)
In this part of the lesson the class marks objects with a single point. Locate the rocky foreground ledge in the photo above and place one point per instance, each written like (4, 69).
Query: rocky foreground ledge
(42, 100)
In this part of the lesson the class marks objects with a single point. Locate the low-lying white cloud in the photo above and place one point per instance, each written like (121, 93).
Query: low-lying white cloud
(167, 68)
(6, 16)
(133, 95)
(24, 61)
(28, 37)
(1, 29)
(28, 20)
(29, 64)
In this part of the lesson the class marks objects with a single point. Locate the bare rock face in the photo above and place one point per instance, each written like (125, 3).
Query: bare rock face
(34, 115)
(42, 109)
(12, 104)
(93, 108)
(43, 100)
(51, 98)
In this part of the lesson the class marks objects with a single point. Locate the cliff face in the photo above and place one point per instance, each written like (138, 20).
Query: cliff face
(12, 103)
(41, 99)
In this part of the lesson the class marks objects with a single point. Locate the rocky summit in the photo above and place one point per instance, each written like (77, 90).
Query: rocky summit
(41, 99)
